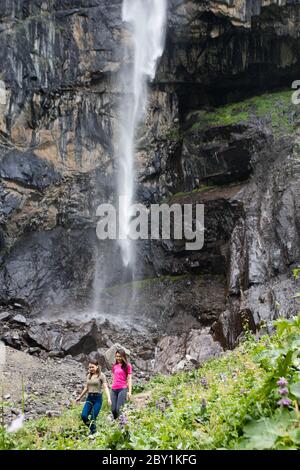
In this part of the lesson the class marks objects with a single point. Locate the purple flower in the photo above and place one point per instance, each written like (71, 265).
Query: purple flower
(283, 391)
(203, 382)
(282, 382)
(161, 406)
(284, 402)
(123, 420)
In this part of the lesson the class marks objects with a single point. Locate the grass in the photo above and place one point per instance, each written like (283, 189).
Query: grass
(200, 189)
(229, 403)
(273, 109)
(183, 194)
(172, 419)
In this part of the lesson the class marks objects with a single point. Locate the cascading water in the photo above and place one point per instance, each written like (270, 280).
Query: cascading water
(147, 21)
(143, 46)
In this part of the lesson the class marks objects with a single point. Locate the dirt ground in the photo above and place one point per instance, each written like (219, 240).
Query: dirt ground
(47, 385)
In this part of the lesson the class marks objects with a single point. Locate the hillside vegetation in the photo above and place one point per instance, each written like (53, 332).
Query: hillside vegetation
(247, 399)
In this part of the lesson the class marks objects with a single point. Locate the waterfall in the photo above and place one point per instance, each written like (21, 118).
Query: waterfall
(146, 20)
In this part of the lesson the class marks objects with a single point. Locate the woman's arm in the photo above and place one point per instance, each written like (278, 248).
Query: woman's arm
(129, 384)
(82, 393)
(107, 393)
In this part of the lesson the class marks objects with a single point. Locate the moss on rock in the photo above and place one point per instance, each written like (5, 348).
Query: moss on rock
(274, 110)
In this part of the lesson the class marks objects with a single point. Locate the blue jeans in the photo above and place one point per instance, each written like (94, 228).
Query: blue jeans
(118, 398)
(91, 407)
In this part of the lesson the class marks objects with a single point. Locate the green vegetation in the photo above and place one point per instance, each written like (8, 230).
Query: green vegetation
(275, 110)
(200, 189)
(174, 134)
(247, 399)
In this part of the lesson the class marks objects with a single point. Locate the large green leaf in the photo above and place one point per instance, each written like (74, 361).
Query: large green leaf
(267, 432)
(295, 436)
(286, 362)
(295, 390)
(258, 436)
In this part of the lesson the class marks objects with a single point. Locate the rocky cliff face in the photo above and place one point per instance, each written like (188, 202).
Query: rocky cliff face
(219, 130)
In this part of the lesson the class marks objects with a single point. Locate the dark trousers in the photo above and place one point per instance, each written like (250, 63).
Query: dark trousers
(91, 410)
(118, 398)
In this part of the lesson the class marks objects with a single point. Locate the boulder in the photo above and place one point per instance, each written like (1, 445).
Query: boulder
(20, 319)
(4, 316)
(82, 339)
(34, 351)
(200, 346)
(110, 353)
(12, 338)
(48, 337)
(56, 353)
(170, 351)
(185, 352)
(98, 356)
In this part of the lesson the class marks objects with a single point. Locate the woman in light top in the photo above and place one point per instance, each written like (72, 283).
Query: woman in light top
(122, 382)
(95, 382)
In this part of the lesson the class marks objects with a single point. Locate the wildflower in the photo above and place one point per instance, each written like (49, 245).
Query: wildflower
(123, 420)
(284, 402)
(204, 382)
(282, 382)
(163, 407)
(283, 391)
(203, 404)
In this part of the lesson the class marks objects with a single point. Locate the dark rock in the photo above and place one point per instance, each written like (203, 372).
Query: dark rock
(81, 358)
(34, 351)
(228, 51)
(231, 324)
(82, 340)
(33, 276)
(56, 353)
(98, 356)
(146, 354)
(12, 338)
(4, 316)
(57, 164)
(52, 413)
(44, 336)
(27, 169)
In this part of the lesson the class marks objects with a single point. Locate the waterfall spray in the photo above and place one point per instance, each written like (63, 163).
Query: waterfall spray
(146, 20)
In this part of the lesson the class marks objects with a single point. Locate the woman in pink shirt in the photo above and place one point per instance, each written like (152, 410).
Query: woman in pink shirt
(122, 383)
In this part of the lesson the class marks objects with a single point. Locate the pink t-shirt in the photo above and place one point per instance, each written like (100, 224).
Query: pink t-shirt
(120, 376)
